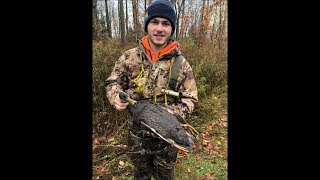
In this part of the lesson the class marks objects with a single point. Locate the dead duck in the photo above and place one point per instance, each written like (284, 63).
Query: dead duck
(158, 120)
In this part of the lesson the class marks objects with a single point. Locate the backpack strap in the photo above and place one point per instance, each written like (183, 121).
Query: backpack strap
(175, 72)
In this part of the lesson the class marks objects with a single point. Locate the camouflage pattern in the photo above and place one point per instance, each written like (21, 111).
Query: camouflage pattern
(151, 156)
(155, 78)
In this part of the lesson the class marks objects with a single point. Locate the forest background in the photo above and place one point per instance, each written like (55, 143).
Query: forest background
(201, 31)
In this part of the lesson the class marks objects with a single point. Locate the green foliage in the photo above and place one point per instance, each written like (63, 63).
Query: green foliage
(105, 118)
(210, 70)
(109, 156)
(193, 168)
(208, 58)
(202, 86)
(209, 109)
(196, 167)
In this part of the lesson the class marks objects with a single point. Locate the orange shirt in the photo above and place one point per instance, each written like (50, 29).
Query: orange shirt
(154, 56)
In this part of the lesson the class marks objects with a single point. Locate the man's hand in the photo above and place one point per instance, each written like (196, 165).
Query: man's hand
(153, 135)
(120, 104)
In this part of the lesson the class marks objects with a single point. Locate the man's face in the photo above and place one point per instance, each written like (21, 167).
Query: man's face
(159, 32)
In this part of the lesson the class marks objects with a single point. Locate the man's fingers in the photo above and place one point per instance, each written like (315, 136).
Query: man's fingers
(152, 134)
(119, 105)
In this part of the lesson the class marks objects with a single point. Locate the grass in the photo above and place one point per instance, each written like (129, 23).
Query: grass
(207, 160)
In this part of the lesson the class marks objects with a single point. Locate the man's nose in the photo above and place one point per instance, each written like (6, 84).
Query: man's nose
(159, 27)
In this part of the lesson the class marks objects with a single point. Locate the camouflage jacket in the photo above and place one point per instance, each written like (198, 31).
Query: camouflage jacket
(135, 74)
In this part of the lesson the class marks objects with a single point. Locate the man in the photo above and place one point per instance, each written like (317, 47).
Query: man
(143, 72)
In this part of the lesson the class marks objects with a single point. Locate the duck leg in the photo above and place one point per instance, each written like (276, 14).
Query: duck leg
(191, 129)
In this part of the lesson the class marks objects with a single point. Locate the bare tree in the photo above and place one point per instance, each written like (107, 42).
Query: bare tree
(182, 18)
(145, 5)
(186, 18)
(200, 35)
(127, 17)
(179, 9)
(174, 3)
(200, 19)
(222, 24)
(109, 34)
(121, 18)
(193, 24)
(115, 20)
(95, 21)
(136, 26)
(226, 21)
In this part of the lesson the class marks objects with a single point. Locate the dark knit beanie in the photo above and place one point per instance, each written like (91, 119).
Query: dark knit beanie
(163, 9)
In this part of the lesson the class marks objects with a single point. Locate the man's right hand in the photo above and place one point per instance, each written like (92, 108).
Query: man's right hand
(120, 104)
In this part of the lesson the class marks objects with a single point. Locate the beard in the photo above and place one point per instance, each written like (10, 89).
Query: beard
(159, 41)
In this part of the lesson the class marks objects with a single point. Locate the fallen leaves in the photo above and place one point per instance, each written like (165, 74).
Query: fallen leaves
(210, 127)
(205, 135)
(100, 170)
(195, 147)
(121, 164)
(209, 176)
(205, 142)
(218, 142)
(111, 139)
(210, 146)
(96, 141)
(213, 145)
(182, 155)
(224, 124)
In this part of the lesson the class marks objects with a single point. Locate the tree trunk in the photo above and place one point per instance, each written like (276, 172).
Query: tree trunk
(201, 34)
(95, 21)
(226, 23)
(135, 17)
(220, 28)
(114, 20)
(145, 5)
(182, 19)
(109, 34)
(121, 23)
(127, 17)
(136, 27)
(174, 4)
(202, 13)
(177, 23)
